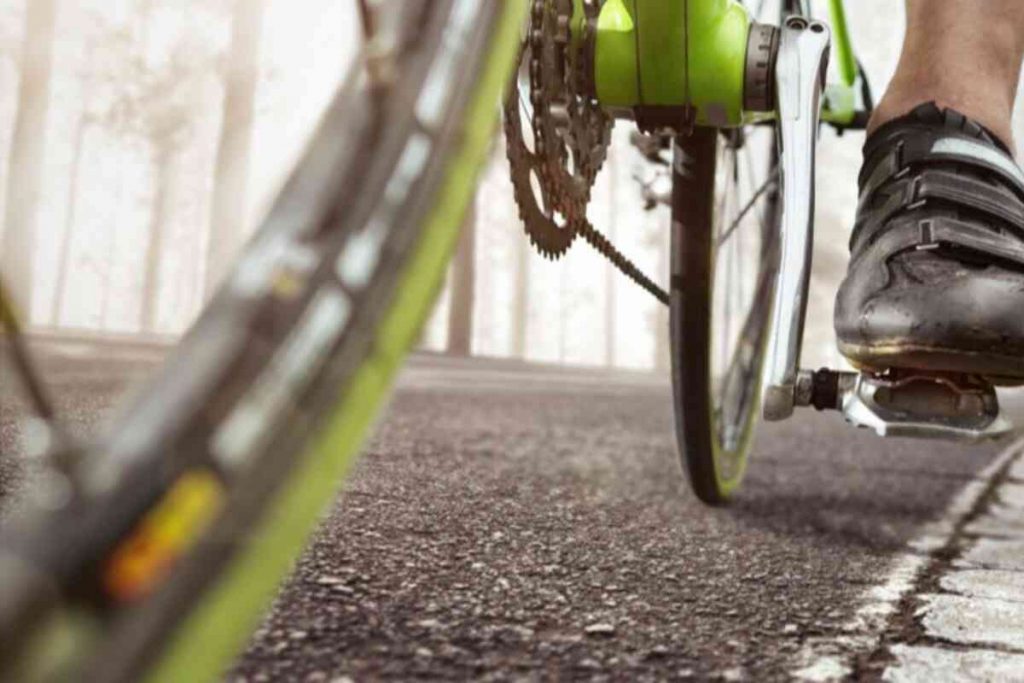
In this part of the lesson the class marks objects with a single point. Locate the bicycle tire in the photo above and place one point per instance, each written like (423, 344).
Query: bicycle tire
(244, 437)
(715, 469)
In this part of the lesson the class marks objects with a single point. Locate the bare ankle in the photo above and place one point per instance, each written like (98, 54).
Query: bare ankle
(960, 56)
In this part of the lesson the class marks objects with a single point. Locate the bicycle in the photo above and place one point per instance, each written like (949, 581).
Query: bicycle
(721, 88)
(153, 551)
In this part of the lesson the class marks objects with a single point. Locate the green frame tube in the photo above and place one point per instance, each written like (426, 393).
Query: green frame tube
(840, 98)
(842, 46)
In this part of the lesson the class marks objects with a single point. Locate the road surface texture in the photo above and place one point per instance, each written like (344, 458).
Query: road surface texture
(516, 522)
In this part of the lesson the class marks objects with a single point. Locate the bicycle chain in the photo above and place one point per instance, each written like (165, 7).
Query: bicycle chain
(566, 123)
(625, 266)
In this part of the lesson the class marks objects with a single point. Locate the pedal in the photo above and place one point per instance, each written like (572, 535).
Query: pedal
(908, 403)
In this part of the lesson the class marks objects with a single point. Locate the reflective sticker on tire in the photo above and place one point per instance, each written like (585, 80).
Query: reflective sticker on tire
(142, 560)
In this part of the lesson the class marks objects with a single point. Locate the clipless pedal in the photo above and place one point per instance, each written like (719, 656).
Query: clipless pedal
(903, 402)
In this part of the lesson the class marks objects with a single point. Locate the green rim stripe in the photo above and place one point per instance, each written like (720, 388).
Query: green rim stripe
(223, 621)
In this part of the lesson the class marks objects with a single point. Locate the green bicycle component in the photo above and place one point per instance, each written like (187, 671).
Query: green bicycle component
(841, 43)
(615, 59)
(840, 101)
(656, 54)
(839, 104)
(652, 53)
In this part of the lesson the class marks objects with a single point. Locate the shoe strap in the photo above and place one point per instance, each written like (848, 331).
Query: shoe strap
(915, 146)
(945, 190)
(961, 240)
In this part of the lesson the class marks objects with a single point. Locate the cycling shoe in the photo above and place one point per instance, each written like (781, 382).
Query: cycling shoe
(936, 277)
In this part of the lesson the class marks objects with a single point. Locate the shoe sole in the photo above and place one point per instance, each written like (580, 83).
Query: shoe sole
(997, 368)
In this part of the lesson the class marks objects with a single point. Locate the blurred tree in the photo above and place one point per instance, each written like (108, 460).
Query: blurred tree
(107, 52)
(662, 350)
(521, 295)
(27, 151)
(64, 250)
(657, 224)
(143, 95)
(611, 274)
(161, 108)
(231, 175)
(166, 127)
(460, 313)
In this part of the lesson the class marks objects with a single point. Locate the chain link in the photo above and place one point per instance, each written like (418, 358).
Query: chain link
(604, 247)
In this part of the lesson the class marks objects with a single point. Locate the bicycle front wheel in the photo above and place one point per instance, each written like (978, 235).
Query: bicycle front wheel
(192, 510)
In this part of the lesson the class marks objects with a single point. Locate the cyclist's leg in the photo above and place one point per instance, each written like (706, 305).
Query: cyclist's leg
(961, 54)
(936, 280)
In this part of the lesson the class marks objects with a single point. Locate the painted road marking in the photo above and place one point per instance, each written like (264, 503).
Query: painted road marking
(937, 665)
(994, 553)
(985, 583)
(973, 621)
(971, 628)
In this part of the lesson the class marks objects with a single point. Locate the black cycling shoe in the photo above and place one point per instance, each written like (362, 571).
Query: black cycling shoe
(936, 278)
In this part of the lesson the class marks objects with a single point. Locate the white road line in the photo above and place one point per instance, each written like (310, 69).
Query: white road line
(827, 659)
(936, 665)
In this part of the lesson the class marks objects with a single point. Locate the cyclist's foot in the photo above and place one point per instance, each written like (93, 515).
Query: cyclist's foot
(936, 279)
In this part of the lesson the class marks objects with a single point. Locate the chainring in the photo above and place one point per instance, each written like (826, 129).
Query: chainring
(569, 131)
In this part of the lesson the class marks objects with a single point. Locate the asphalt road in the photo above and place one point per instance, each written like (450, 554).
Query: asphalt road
(512, 522)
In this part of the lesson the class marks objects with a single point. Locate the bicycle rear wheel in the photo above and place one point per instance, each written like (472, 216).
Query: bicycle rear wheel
(725, 221)
(726, 225)
(205, 490)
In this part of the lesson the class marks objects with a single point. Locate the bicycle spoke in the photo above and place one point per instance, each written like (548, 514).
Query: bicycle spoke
(366, 18)
(378, 50)
(768, 184)
(23, 364)
(731, 264)
(751, 325)
(753, 183)
(719, 221)
(741, 290)
(722, 203)
(524, 107)
(59, 451)
(752, 186)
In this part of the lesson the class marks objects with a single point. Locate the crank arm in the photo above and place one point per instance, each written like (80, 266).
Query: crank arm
(799, 80)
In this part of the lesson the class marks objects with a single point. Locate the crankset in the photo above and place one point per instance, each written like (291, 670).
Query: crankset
(556, 133)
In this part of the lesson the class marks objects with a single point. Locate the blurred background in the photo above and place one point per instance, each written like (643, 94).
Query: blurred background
(142, 140)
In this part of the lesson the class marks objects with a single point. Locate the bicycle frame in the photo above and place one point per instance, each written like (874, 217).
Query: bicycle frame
(687, 60)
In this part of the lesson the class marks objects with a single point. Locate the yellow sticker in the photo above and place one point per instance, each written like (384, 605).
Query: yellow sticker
(164, 534)
(287, 284)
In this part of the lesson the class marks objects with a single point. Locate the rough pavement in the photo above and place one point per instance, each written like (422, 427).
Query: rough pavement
(962, 620)
(511, 522)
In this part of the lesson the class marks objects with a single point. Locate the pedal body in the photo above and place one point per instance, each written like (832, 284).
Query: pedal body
(909, 403)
